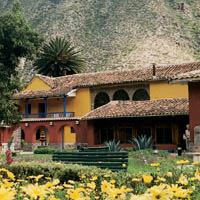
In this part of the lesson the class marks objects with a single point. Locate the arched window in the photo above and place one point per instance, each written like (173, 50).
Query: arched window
(101, 99)
(120, 95)
(141, 95)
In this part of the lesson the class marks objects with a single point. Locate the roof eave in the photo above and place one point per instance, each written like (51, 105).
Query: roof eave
(185, 80)
(136, 116)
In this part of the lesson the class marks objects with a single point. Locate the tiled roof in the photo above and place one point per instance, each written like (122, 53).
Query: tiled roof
(61, 85)
(119, 109)
(186, 77)
(41, 93)
(48, 80)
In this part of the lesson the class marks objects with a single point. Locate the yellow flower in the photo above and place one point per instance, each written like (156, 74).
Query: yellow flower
(178, 192)
(7, 193)
(136, 179)
(35, 191)
(106, 176)
(59, 187)
(91, 185)
(68, 185)
(83, 176)
(71, 182)
(105, 186)
(169, 174)
(197, 172)
(195, 163)
(11, 175)
(182, 180)
(124, 165)
(155, 164)
(182, 162)
(160, 192)
(56, 181)
(93, 178)
(161, 179)
(147, 179)
(140, 197)
(38, 177)
(7, 184)
(112, 181)
(76, 194)
(53, 198)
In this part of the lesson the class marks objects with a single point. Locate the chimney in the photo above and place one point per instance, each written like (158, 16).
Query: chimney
(154, 69)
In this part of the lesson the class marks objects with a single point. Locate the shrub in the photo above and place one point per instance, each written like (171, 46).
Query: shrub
(63, 172)
(45, 150)
(142, 142)
(49, 150)
(112, 146)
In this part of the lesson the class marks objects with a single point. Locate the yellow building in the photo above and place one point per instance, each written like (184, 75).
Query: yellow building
(91, 108)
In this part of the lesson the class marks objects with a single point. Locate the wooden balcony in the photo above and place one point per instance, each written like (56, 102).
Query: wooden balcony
(48, 115)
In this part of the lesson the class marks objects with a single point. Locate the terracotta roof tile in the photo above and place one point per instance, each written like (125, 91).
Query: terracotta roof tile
(186, 77)
(118, 109)
(41, 93)
(48, 80)
(64, 84)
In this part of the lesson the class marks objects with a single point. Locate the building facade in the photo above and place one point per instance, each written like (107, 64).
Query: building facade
(92, 108)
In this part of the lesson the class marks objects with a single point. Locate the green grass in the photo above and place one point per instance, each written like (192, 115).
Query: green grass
(29, 157)
(139, 161)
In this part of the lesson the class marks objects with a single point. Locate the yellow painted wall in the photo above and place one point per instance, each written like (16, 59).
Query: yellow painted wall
(81, 104)
(37, 84)
(68, 136)
(55, 105)
(34, 104)
(162, 90)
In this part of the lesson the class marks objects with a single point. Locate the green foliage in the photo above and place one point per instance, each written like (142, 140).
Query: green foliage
(23, 144)
(63, 172)
(17, 40)
(45, 150)
(58, 58)
(142, 142)
(10, 142)
(50, 150)
(112, 146)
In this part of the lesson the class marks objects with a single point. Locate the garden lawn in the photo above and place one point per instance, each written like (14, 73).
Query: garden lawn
(140, 161)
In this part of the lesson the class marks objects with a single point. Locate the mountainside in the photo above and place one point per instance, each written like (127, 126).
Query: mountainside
(121, 34)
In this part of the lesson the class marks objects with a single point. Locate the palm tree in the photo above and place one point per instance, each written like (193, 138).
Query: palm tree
(58, 58)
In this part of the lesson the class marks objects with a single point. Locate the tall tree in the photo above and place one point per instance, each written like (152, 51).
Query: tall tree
(17, 40)
(58, 58)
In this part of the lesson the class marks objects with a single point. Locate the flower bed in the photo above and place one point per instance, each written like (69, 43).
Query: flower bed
(52, 181)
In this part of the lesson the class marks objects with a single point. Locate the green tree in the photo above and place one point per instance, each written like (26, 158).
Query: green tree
(58, 58)
(17, 40)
